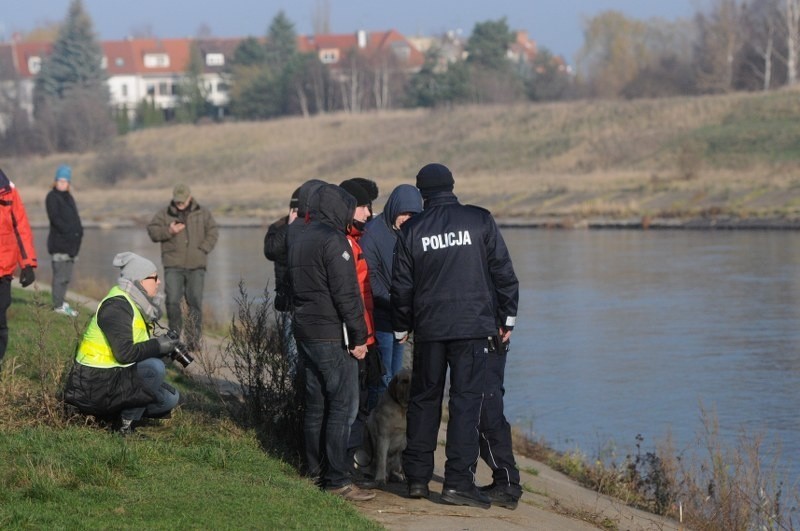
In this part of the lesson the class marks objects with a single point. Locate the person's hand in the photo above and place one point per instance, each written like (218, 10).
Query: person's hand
(505, 334)
(175, 227)
(401, 337)
(166, 344)
(359, 352)
(27, 276)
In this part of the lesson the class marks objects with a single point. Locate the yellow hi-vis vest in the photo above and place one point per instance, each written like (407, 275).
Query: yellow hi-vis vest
(94, 350)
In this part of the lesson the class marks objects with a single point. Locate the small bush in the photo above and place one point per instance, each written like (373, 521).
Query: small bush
(272, 397)
(118, 164)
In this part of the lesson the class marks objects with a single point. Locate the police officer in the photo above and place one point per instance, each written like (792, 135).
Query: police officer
(453, 284)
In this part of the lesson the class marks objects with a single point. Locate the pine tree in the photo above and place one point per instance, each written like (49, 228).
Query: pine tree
(71, 97)
(281, 42)
(76, 59)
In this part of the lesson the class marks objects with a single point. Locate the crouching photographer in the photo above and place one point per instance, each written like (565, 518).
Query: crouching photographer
(118, 371)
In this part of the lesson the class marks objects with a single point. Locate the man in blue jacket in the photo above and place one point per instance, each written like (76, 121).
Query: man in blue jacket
(378, 244)
(453, 285)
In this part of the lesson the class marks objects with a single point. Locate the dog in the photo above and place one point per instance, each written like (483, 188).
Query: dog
(386, 430)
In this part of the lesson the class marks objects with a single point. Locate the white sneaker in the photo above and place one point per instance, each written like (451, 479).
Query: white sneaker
(66, 309)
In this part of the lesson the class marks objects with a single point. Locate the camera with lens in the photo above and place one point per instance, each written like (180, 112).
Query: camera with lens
(180, 352)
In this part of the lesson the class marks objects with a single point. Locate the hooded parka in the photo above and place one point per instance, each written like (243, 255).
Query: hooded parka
(322, 271)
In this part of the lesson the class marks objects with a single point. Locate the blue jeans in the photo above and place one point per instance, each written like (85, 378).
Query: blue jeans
(391, 352)
(188, 283)
(331, 407)
(152, 372)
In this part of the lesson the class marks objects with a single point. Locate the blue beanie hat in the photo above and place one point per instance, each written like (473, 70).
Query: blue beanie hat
(64, 172)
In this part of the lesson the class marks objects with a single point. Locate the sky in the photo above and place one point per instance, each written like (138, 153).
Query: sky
(554, 24)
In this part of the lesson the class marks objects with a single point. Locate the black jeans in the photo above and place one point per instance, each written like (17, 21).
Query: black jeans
(467, 361)
(5, 302)
(495, 440)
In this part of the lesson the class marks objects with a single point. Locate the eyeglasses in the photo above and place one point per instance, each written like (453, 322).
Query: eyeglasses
(153, 277)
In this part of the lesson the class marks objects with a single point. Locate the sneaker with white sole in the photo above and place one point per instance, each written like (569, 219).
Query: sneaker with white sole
(66, 309)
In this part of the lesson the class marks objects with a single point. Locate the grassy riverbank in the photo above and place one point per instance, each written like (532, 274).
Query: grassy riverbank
(202, 469)
(199, 470)
(730, 157)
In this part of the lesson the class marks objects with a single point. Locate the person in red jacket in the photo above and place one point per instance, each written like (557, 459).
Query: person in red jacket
(16, 250)
(369, 369)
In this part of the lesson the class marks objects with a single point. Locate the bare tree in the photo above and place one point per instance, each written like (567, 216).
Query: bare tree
(791, 20)
(719, 46)
(352, 80)
(762, 19)
(613, 52)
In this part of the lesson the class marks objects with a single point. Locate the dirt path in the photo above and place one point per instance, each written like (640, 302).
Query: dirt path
(551, 501)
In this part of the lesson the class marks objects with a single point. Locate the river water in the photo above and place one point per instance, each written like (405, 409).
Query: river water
(619, 333)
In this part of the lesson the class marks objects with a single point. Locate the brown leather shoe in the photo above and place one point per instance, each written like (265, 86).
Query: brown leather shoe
(352, 493)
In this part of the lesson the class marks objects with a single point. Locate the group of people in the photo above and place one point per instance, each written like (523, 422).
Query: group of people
(17, 248)
(118, 372)
(350, 288)
(353, 287)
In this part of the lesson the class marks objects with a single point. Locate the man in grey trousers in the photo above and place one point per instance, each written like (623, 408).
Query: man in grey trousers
(187, 233)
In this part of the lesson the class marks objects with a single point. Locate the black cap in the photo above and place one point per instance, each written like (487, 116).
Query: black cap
(434, 178)
(369, 185)
(357, 191)
(294, 202)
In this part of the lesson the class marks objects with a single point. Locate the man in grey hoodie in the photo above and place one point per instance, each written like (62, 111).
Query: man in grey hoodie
(377, 244)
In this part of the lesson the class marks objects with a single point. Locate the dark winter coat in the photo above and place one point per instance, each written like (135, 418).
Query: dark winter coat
(275, 250)
(322, 273)
(452, 276)
(66, 230)
(106, 392)
(378, 242)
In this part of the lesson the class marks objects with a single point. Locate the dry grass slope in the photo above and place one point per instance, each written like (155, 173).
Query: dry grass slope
(733, 155)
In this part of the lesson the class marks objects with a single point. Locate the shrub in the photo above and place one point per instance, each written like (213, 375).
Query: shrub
(272, 397)
(118, 164)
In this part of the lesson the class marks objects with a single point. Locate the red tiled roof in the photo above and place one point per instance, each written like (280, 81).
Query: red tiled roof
(377, 41)
(126, 57)
(25, 51)
(177, 50)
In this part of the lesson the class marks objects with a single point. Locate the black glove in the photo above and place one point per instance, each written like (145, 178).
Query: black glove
(166, 344)
(27, 276)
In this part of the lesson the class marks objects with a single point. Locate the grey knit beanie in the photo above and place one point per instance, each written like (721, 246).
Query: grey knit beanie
(134, 267)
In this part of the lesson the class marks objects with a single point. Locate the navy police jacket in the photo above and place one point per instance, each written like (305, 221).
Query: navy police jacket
(452, 276)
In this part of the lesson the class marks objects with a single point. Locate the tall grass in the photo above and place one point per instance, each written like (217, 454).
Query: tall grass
(712, 486)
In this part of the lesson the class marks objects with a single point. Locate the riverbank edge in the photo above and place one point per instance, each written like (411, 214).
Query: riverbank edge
(567, 223)
(554, 498)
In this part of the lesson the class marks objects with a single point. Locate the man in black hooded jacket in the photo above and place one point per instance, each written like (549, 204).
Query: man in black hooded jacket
(328, 322)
